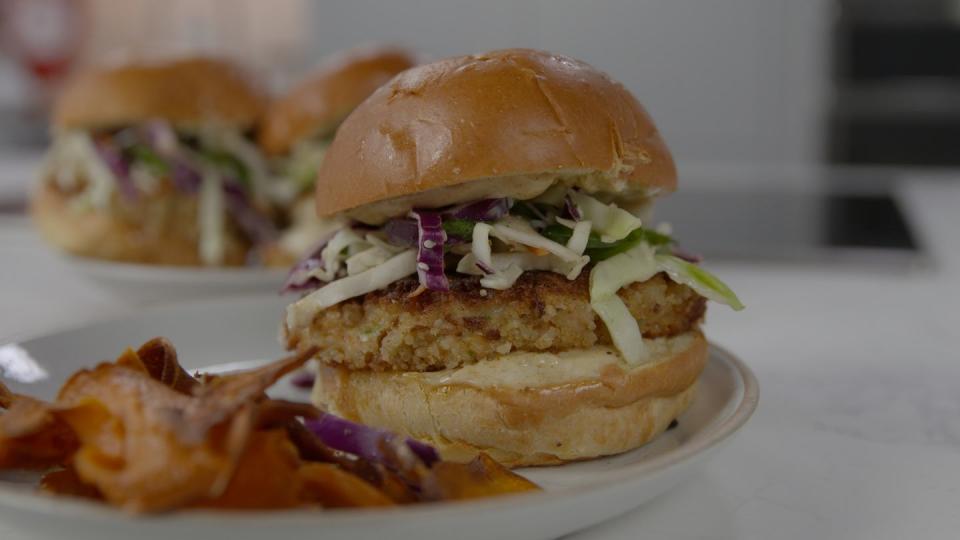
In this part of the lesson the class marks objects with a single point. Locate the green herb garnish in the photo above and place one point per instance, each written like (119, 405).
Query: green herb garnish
(461, 228)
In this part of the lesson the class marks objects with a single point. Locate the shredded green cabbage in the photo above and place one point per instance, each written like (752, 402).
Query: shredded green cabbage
(481, 243)
(211, 219)
(503, 278)
(301, 236)
(606, 278)
(332, 254)
(698, 279)
(397, 267)
(236, 154)
(622, 326)
(633, 266)
(639, 264)
(367, 259)
(375, 240)
(622, 251)
(72, 157)
(580, 237)
(501, 261)
(520, 232)
(304, 161)
(611, 222)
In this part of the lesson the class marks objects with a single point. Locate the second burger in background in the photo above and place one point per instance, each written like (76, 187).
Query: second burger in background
(497, 289)
(151, 163)
(298, 127)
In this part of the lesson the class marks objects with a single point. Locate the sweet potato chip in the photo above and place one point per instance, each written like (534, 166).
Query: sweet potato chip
(135, 432)
(266, 476)
(218, 396)
(6, 397)
(135, 444)
(31, 435)
(328, 485)
(158, 358)
(66, 482)
(482, 477)
(143, 435)
(41, 450)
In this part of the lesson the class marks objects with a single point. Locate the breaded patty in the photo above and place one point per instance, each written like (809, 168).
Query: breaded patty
(543, 311)
(160, 228)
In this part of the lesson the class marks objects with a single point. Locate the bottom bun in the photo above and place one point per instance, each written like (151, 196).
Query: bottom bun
(527, 408)
(161, 230)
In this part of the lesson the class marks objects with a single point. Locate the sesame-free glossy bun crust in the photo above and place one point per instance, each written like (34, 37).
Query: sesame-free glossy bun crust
(503, 114)
(187, 92)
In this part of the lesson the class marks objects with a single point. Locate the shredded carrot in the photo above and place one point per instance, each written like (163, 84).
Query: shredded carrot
(539, 252)
(420, 290)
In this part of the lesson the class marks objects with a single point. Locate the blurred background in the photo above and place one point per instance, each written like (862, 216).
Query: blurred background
(824, 94)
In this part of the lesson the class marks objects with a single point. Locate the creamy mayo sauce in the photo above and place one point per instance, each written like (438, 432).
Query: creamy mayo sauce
(516, 187)
(532, 369)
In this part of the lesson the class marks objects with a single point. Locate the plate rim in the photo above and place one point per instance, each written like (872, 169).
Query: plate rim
(130, 269)
(38, 504)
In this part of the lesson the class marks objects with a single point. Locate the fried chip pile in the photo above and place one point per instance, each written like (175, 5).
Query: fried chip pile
(142, 434)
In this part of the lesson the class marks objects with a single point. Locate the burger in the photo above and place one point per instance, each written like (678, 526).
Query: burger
(498, 286)
(298, 127)
(153, 163)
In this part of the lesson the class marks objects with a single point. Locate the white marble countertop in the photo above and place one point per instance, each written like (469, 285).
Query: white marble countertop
(858, 430)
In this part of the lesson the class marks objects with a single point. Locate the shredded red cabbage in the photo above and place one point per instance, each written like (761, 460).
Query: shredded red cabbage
(254, 224)
(184, 176)
(303, 379)
(402, 232)
(365, 441)
(113, 158)
(405, 232)
(484, 267)
(161, 137)
(423, 231)
(482, 210)
(685, 255)
(300, 279)
(430, 250)
(572, 211)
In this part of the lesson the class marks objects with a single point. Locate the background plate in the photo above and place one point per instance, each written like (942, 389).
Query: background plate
(242, 330)
(141, 283)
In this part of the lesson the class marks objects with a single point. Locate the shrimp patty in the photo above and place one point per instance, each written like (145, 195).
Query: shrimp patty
(396, 329)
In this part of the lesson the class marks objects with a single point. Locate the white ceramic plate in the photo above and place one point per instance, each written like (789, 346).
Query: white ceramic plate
(151, 283)
(242, 330)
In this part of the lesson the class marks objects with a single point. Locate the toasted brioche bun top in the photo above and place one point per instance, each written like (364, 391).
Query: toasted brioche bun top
(318, 104)
(509, 122)
(186, 92)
